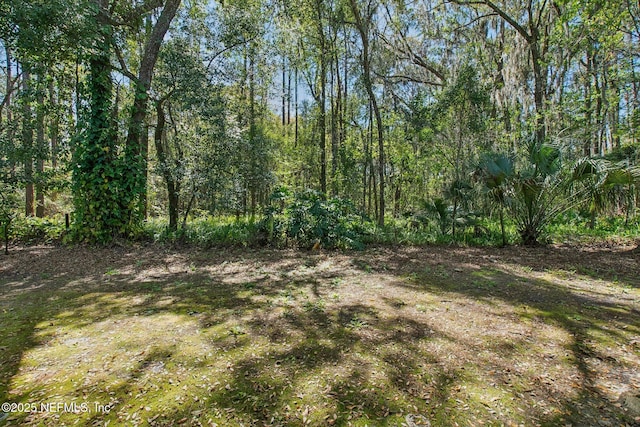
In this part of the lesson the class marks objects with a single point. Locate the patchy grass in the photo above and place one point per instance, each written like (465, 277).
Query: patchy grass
(413, 336)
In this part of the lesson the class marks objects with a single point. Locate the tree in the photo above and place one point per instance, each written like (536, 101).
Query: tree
(182, 87)
(109, 186)
(136, 143)
(533, 20)
(363, 23)
(458, 121)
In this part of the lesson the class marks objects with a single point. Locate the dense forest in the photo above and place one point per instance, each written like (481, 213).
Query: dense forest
(319, 122)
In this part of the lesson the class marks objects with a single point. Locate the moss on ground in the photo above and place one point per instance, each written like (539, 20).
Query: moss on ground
(448, 336)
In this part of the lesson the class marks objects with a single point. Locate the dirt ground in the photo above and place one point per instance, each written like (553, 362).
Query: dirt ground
(406, 336)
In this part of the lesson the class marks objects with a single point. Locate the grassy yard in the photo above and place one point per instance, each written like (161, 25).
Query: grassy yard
(439, 336)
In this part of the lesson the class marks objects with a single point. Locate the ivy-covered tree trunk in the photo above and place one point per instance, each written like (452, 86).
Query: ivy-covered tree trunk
(98, 211)
(110, 188)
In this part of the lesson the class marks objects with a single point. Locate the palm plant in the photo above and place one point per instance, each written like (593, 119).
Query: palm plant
(439, 208)
(458, 192)
(537, 191)
(600, 179)
(533, 195)
(591, 175)
(496, 172)
(626, 177)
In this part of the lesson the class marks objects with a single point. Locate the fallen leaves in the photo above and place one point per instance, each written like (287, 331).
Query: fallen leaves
(196, 345)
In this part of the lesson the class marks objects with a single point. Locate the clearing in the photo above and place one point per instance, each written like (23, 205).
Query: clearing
(440, 336)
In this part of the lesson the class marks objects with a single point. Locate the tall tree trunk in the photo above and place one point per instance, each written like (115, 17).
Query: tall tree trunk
(539, 85)
(373, 199)
(40, 150)
(8, 105)
(54, 126)
(77, 93)
(137, 136)
(27, 141)
(615, 115)
(172, 185)
(335, 124)
(588, 109)
(6, 102)
(284, 94)
(363, 29)
(365, 165)
(396, 200)
(598, 119)
(346, 88)
(96, 160)
(289, 97)
(295, 94)
(322, 122)
(252, 132)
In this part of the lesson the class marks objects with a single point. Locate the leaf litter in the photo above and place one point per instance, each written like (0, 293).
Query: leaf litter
(388, 336)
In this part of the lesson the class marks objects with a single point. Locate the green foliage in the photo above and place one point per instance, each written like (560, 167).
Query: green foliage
(104, 185)
(463, 103)
(206, 231)
(473, 231)
(606, 184)
(538, 191)
(8, 210)
(47, 30)
(448, 90)
(9, 200)
(307, 220)
(34, 230)
(495, 172)
(198, 158)
(569, 227)
(439, 209)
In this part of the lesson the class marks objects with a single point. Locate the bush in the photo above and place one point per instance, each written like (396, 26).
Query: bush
(307, 220)
(205, 231)
(8, 206)
(34, 230)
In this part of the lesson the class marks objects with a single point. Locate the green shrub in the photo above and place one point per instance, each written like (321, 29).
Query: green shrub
(205, 231)
(32, 230)
(307, 220)
(8, 211)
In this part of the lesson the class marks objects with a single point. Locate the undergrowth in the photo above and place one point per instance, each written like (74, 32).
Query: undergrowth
(308, 222)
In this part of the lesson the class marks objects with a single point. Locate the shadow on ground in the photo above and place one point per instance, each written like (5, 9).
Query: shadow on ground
(382, 337)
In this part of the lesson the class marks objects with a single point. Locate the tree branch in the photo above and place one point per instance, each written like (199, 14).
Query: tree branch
(414, 57)
(123, 65)
(540, 11)
(140, 10)
(10, 90)
(516, 26)
(408, 79)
